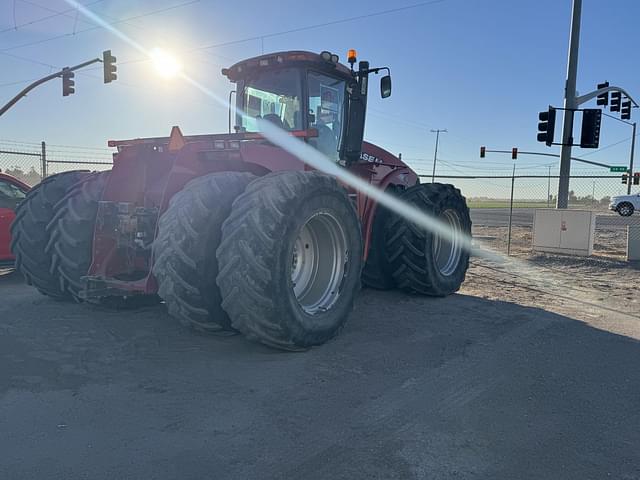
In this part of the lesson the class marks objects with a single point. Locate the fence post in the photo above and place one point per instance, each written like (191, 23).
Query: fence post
(549, 189)
(44, 160)
(513, 182)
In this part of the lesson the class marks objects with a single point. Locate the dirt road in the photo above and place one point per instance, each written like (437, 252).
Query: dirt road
(477, 385)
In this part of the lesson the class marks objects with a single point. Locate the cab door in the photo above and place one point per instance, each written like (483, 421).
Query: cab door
(10, 196)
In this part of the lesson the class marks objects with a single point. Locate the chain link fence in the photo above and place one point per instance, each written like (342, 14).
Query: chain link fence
(31, 162)
(489, 198)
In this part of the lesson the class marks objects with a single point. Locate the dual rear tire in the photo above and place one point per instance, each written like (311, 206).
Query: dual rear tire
(422, 262)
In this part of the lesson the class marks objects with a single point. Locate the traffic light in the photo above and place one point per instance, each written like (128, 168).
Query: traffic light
(109, 66)
(547, 126)
(616, 98)
(603, 98)
(625, 112)
(625, 178)
(514, 153)
(68, 84)
(483, 152)
(591, 121)
(636, 178)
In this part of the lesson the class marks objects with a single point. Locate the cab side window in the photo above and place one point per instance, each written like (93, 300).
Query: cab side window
(10, 195)
(326, 112)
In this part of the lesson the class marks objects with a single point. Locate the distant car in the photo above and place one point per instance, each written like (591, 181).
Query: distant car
(625, 205)
(12, 192)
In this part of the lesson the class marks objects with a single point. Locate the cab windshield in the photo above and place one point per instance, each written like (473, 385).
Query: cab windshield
(273, 95)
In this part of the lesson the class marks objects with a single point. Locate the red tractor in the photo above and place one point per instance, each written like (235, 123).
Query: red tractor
(234, 233)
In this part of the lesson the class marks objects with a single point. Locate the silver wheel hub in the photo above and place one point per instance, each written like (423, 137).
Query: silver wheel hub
(318, 264)
(448, 252)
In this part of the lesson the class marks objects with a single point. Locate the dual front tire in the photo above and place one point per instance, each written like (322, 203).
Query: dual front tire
(277, 258)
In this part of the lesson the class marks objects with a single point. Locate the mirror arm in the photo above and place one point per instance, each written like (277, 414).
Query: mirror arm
(377, 70)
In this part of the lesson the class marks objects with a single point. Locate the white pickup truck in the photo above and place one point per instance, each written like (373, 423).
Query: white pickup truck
(625, 205)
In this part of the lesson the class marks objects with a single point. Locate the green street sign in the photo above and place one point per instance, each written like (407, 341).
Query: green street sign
(618, 169)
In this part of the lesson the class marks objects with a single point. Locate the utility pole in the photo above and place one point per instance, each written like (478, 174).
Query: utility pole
(633, 147)
(570, 104)
(435, 155)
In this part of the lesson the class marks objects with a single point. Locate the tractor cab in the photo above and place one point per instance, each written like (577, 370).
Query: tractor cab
(306, 92)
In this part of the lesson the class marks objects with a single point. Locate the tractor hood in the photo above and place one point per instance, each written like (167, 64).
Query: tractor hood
(220, 141)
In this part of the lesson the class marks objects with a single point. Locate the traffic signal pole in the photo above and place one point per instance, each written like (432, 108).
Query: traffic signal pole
(633, 147)
(575, 159)
(570, 104)
(37, 83)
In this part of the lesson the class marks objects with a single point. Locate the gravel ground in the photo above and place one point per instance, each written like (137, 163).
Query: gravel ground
(507, 379)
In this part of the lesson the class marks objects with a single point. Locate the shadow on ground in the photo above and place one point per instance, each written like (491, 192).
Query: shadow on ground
(460, 387)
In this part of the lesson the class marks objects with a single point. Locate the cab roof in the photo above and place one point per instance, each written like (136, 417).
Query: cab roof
(295, 58)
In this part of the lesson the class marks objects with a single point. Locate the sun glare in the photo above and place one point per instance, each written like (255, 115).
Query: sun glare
(165, 63)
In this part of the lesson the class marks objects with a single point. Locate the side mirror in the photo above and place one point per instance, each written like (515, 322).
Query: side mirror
(385, 86)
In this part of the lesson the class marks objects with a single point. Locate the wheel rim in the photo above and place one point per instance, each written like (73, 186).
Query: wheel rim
(447, 253)
(319, 262)
(625, 210)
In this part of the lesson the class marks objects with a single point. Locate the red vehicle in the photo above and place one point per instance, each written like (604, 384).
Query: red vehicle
(234, 233)
(12, 192)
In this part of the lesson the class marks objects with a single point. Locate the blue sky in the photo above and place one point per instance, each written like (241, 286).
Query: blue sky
(482, 69)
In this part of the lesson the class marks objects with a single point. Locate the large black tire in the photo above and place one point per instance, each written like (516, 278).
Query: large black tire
(30, 236)
(189, 233)
(413, 252)
(275, 226)
(377, 270)
(71, 232)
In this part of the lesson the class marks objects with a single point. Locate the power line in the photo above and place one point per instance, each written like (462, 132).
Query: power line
(97, 27)
(30, 60)
(300, 29)
(268, 35)
(55, 12)
(607, 146)
(320, 25)
(42, 19)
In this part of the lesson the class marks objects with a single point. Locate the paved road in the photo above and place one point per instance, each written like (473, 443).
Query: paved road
(499, 217)
(461, 387)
